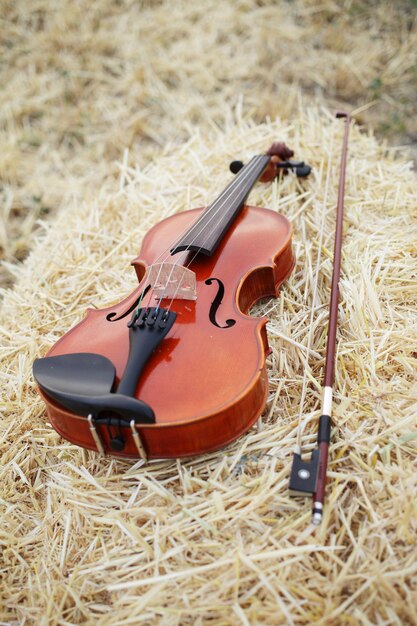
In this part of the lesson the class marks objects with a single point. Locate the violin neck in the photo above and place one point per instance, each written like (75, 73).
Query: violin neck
(208, 231)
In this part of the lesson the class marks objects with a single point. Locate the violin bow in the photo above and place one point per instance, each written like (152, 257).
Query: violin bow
(309, 477)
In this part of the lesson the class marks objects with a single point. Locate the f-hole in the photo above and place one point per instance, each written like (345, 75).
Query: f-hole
(111, 316)
(216, 303)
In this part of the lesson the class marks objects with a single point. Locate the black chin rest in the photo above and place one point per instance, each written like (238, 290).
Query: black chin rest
(83, 383)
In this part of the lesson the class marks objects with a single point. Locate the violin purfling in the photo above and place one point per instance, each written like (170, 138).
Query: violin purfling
(177, 368)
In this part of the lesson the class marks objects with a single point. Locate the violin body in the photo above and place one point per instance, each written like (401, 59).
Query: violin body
(206, 381)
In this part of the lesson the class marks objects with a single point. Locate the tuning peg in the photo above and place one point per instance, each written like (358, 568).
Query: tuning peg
(236, 166)
(300, 168)
(303, 170)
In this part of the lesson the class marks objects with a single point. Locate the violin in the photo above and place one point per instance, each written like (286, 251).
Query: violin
(177, 368)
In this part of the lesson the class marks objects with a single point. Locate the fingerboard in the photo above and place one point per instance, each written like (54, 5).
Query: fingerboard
(209, 229)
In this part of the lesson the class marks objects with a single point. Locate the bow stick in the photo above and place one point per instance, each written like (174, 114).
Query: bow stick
(309, 477)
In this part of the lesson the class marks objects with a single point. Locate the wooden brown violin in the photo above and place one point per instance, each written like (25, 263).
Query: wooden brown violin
(178, 367)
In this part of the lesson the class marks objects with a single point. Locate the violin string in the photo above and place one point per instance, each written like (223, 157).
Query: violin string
(313, 304)
(235, 186)
(186, 229)
(187, 265)
(230, 191)
(191, 261)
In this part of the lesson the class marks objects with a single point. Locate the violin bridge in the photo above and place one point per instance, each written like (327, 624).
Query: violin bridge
(169, 280)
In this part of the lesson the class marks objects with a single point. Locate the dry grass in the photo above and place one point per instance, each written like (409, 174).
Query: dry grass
(81, 81)
(217, 540)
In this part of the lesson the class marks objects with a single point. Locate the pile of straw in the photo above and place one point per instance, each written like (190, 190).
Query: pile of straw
(217, 539)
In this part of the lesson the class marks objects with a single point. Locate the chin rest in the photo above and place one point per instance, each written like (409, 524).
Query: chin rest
(83, 383)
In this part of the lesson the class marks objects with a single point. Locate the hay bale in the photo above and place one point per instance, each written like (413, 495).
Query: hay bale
(217, 539)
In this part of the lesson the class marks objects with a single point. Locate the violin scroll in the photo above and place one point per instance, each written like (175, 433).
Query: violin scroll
(281, 150)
